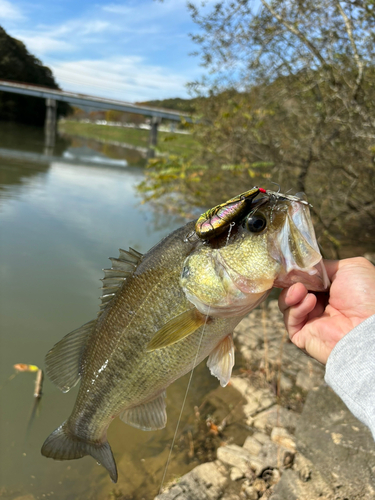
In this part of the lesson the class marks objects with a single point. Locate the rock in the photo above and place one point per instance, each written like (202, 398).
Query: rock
(275, 478)
(241, 458)
(285, 383)
(303, 466)
(308, 380)
(251, 493)
(274, 455)
(339, 446)
(205, 482)
(259, 485)
(370, 256)
(290, 487)
(261, 437)
(281, 436)
(277, 416)
(240, 384)
(256, 399)
(252, 445)
(236, 473)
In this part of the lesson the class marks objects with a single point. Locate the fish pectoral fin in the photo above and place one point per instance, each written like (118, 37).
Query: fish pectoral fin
(63, 361)
(177, 329)
(221, 360)
(147, 416)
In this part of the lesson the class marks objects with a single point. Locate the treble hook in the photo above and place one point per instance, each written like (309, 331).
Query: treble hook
(278, 185)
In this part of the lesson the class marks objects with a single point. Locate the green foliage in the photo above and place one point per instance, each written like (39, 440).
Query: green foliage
(18, 65)
(292, 101)
(178, 104)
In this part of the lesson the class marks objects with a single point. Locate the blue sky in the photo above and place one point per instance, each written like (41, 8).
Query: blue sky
(132, 50)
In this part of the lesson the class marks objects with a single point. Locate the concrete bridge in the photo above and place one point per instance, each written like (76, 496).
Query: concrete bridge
(83, 100)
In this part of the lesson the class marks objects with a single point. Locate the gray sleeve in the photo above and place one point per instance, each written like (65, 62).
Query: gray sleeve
(350, 371)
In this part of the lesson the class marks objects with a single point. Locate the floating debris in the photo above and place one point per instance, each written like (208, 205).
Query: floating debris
(22, 367)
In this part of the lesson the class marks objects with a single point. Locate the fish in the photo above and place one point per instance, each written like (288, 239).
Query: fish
(165, 311)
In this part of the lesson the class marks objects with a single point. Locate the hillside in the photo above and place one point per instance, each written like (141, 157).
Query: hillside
(178, 104)
(18, 65)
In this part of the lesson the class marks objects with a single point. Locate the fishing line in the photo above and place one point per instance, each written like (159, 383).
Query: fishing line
(183, 403)
(232, 224)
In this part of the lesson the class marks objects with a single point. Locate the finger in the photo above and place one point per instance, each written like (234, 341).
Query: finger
(296, 316)
(292, 296)
(321, 304)
(332, 267)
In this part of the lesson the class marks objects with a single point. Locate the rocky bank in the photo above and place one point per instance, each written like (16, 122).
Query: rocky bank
(301, 442)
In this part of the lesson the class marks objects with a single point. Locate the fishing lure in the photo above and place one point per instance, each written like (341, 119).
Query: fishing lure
(217, 219)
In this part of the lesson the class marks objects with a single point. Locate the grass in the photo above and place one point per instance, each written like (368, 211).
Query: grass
(168, 142)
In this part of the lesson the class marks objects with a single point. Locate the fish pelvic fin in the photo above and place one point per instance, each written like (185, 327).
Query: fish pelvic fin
(64, 445)
(221, 360)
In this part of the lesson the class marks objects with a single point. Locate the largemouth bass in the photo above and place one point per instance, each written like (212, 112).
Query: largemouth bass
(167, 310)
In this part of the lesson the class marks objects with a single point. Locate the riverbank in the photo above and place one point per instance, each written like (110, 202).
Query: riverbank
(301, 442)
(170, 143)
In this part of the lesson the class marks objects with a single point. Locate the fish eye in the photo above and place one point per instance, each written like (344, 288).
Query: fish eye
(256, 223)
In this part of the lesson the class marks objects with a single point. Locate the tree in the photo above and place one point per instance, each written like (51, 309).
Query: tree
(292, 87)
(18, 65)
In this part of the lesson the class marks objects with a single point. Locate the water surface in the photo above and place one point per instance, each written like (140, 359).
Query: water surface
(59, 223)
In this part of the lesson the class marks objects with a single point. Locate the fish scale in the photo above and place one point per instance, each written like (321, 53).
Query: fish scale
(165, 311)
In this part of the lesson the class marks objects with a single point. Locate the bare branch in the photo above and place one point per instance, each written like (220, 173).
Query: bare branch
(296, 32)
(358, 60)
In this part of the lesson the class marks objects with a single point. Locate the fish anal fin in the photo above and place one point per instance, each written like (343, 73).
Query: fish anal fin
(63, 361)
(63, 445)
(177, 329)
(221, 360)
(147, 416)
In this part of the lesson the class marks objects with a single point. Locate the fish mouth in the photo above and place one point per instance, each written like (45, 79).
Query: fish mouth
(297, 251)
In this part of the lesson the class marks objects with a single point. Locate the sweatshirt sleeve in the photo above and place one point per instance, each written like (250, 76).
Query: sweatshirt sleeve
(350, 371)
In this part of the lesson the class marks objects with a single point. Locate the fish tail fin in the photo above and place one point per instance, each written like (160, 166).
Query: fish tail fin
(64, 445)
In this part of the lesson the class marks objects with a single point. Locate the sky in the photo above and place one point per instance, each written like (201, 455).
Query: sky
(132, 50)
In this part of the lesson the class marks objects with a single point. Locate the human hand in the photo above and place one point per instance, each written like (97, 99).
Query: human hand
(317, 321)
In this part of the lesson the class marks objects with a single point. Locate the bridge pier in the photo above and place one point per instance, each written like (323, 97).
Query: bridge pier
(50, 126)
(153, 138)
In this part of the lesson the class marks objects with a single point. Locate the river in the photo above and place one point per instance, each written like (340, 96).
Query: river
(60, 220)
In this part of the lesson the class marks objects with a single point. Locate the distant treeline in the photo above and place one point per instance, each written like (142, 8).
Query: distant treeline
(183, 105)
(18, 65)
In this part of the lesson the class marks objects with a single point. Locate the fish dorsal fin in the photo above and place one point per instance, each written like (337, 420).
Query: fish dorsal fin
(147, 416)
(63, 361)
(221, 360)
(177, 329)
(122, 268)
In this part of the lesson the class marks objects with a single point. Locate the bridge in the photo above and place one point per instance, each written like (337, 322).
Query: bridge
(83, 100)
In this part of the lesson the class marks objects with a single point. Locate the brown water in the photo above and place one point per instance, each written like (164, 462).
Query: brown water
(59, 222)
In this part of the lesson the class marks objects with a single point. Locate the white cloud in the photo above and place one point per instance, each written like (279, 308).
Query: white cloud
(44, 43)
(9, 11)
(95, 26)
(136, 51)
(126, 78)
(66, 37)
